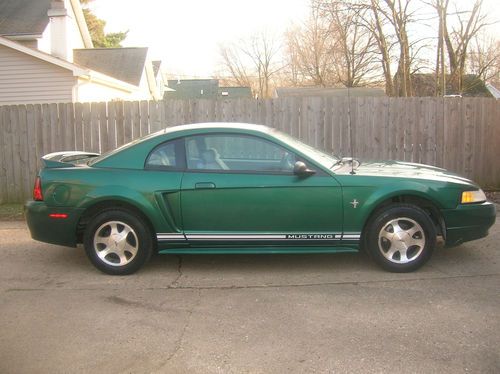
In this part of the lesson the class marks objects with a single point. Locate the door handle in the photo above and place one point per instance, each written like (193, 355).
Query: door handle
(203, 185)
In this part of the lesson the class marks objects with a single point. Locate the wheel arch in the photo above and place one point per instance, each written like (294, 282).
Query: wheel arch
(102, 205)
(413, 198)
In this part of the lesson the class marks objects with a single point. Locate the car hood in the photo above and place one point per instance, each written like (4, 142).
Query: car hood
(405, 170)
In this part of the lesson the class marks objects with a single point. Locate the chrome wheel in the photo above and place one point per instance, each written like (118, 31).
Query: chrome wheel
(116, 243)
(401, 240)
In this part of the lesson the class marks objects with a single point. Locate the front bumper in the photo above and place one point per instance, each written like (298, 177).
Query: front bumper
(60, 231)
(468, 222)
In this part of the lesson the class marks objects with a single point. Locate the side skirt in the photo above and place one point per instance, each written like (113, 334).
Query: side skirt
(257, 250)
(331, 242)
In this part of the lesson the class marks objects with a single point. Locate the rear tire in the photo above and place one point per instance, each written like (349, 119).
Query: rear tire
(117, 242)
(400, 238)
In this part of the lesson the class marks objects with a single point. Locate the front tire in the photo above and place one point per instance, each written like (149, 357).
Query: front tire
(401, 238)
(117, 242)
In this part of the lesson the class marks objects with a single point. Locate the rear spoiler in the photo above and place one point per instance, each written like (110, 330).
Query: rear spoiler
(66, 159)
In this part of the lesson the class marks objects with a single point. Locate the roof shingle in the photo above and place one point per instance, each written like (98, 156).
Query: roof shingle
(23, 17)
(125, 64)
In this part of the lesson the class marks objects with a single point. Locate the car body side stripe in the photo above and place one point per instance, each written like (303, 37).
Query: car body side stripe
(259, 237)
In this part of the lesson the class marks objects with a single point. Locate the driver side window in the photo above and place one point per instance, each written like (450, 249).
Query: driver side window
(235, 152)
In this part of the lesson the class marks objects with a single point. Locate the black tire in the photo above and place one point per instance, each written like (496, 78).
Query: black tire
(117, 242)
(400, 237)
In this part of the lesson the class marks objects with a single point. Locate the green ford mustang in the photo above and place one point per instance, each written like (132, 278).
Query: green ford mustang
(238, 188)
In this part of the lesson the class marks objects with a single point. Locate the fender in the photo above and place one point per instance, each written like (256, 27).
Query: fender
(148, 207)
(370, 200)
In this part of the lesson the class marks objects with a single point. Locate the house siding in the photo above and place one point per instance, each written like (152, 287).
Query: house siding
(26, 79)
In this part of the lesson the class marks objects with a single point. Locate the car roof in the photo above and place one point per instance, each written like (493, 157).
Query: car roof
(218, 125)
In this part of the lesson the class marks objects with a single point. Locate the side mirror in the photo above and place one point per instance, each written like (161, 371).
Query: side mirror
(301, 169)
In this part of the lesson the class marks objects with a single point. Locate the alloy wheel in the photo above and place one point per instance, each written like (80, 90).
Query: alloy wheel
(401, 240)
(116, 243)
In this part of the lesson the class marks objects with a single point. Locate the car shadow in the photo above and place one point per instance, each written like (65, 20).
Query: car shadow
(264, 262)
(464, 259)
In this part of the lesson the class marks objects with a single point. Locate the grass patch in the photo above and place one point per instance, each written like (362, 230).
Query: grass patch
(11, 212)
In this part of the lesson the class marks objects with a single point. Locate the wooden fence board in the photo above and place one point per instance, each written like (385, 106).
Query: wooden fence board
(103, 127)
(112, 125)
(23, 153)
(490, 149)
(79, 124)
(40, 151)
(128, 122)
(31, 117)
(61, 127)
(136, 119)
(10, 192)
(69, 139)
(95, 145)
(144, 118)
(87, 129)
(16, 151)
(495, 117)
(4, 161)
(53, 127)
(154, 116)
(120, 123)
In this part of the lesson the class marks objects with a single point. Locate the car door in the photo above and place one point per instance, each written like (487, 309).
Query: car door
(241, 189)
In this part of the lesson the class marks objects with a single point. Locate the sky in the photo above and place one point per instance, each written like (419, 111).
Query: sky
(185, 34)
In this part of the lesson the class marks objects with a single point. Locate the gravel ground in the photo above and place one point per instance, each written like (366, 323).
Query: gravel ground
(248, 313)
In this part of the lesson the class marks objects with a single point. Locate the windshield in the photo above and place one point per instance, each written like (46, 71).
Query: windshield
(316, 155)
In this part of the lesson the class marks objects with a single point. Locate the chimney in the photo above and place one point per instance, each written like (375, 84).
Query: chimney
(59, 29)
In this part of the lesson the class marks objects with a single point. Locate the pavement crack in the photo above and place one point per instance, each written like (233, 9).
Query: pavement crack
(260, 286)
(179, 342)
(175, 282)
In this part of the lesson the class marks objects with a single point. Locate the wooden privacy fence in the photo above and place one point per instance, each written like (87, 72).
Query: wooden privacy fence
(460, 134)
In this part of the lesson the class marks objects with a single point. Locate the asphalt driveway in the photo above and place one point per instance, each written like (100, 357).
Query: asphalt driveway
(247, 313)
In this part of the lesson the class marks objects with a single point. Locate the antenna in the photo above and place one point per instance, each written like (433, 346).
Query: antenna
(349, 125)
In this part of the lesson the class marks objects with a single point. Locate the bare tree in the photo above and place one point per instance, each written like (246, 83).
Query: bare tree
(484, 58)
(353, 47)
(457, 41)
(253, 61)
(309, 55)
(349, 45)
(389, 23)
(232, 64)
(376, 25)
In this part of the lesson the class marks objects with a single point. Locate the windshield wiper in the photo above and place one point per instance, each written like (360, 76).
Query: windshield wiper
(338, 162)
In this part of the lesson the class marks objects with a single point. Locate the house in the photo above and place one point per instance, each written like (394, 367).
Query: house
(160, 77)
(204, 89)
(327, 91)
(235, 92)
(192, 89)
(425, 85)
(46, 55)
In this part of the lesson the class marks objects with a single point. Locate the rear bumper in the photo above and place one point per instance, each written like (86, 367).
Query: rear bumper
(468, 222)
(60, 231)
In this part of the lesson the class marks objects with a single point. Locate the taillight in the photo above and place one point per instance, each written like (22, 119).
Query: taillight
(37, 190)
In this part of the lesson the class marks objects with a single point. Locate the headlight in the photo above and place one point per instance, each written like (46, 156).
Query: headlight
(473, 197)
